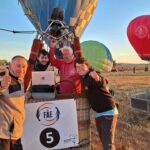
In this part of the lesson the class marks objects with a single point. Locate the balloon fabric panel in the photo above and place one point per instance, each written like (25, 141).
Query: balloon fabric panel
(40, 11)
(98, 55)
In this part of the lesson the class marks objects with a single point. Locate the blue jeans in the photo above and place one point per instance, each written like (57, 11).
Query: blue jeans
(106, 126)
(7, 144)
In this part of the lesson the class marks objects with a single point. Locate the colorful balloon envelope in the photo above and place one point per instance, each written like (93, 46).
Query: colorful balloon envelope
(98, 55)
(139, 36)
(76, 12)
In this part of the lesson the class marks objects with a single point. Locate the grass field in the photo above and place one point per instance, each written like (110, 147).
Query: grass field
(133, 129)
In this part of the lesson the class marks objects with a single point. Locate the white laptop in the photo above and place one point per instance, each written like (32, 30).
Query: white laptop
(43, 78)
(43, 84)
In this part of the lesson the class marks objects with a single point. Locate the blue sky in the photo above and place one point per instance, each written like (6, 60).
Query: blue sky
(108, 26)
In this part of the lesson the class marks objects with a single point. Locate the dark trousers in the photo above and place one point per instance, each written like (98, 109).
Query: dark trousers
(106, 126)
(7, 144)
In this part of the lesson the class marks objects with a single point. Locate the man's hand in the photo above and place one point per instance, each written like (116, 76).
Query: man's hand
(28, 94)
(6, 79)
(94, 75)
(53, 43)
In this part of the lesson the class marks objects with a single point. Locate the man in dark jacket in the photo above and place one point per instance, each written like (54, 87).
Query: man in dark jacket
(101, 101)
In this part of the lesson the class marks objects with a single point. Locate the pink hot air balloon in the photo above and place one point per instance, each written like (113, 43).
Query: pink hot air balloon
(139, 36)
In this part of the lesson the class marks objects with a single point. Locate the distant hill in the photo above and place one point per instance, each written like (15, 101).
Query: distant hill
(3, 62)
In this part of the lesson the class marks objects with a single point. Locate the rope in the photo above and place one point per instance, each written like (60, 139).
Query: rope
(18, 32)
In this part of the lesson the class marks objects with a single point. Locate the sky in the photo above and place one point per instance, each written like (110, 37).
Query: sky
(108, 26)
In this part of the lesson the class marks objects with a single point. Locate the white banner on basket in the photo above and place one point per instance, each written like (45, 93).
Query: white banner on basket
(50, 125)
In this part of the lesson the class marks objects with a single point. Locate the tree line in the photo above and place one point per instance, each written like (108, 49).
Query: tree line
(3, 62)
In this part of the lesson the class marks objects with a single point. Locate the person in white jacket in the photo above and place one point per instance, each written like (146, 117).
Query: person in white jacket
(12, 96)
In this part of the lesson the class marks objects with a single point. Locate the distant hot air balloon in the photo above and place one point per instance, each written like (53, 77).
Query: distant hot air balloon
(139, 36)
(98, 55)
(76, 13)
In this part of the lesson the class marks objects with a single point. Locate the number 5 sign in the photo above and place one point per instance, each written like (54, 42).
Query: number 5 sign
(50, 125)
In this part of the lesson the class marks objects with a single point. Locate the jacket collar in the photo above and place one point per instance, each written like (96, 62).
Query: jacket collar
(12, 74)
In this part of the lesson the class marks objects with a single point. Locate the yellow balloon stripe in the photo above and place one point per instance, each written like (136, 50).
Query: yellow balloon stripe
(84, 17)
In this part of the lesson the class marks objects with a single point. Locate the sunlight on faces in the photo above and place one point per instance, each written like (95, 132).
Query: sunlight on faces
(19, 67)
(67, 54)
(82, 69)
(43, 59)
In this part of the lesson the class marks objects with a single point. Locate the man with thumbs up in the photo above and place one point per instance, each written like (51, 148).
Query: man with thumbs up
(12, 98)
(6, 80)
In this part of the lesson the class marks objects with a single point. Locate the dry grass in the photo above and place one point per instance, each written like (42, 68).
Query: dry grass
(133, 131)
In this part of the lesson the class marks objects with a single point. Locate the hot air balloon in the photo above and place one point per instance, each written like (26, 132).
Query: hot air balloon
(98, 55)
(54, 13)
(64, 20)
(139, 36)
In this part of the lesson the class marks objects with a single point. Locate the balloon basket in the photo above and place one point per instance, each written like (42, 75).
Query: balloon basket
(83, 118)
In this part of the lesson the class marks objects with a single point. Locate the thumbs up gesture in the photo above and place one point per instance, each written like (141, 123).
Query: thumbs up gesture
(6, 79)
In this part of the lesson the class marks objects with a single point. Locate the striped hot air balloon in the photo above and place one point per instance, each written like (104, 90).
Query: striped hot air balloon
(76, 12)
